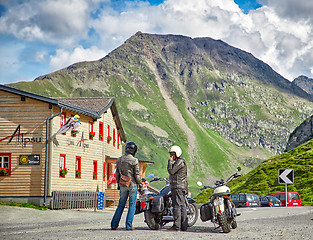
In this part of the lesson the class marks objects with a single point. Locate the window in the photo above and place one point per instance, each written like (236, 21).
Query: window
(95, 170)
(114, 139)
(63, 169)
(118, 140)
(78, 167)
(280, 196)
(91, 132)
(5, 164)
(63, 120)
(109, 138)
(234, 197)
(293, 196)
(101, 131)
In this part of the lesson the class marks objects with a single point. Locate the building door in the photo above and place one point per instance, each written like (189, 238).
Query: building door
(110, 164)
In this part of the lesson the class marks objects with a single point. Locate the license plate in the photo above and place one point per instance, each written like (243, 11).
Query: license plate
(295, 203)
(144, 198)
(254, 204)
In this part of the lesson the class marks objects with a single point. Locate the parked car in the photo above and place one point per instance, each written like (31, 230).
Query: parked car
(270, 201)
(293, 198)
(245, 200)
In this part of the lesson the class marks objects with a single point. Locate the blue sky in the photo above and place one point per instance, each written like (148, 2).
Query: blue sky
(247, 5)
(39, 37)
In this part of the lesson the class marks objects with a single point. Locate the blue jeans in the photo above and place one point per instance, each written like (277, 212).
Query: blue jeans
(125, 192)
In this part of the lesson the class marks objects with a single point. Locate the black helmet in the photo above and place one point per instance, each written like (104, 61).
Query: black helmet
(131, 148)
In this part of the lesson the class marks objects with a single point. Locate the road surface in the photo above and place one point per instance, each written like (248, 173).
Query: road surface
(254, 223)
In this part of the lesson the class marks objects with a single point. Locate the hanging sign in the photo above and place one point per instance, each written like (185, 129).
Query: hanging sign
(33, 159)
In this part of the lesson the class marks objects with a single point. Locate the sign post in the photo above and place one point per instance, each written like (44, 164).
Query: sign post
(285, 176)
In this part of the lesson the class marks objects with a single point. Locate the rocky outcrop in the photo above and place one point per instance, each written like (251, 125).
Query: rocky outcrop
(305, 83)
(301, 134)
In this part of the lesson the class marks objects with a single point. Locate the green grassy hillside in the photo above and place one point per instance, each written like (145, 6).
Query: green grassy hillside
(263, 180)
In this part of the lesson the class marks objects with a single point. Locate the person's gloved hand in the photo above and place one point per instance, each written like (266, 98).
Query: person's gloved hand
(118, 187)
(140, 189)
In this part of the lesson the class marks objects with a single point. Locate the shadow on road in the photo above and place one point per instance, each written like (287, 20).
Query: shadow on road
(191, 229)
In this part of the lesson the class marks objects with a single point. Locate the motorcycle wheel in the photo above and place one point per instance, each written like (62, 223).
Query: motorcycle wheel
(233, 224)
(193, 214)
(150, 220)
(222, 221)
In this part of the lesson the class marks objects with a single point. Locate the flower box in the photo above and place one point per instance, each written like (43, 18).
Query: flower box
(3, 171)
(74, 133)
(92, 135)
(63, 172)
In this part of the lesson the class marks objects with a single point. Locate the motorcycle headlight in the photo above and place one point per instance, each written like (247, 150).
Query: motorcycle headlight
(218, 201)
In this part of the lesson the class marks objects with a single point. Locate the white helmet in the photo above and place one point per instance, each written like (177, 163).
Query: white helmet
(176, 149)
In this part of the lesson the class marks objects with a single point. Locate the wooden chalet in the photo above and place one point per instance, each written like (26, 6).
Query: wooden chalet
(34, 159)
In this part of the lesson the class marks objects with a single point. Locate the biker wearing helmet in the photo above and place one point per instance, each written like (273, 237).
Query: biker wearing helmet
(127, 165)
(177, 170)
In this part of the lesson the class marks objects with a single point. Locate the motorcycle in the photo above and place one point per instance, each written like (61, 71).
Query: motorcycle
(158, 209)
(220, 209)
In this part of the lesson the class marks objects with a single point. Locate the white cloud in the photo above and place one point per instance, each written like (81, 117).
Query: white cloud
(291, 9)
(40, 56)
(279, 33)
(284, 41)
(58, 21)
(64, 58)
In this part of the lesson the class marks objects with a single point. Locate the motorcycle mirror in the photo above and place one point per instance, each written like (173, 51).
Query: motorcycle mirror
(151, 175)
(199, 183)
(238, 169)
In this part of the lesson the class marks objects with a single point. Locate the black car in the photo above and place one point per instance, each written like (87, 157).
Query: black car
(270, 201)
(245, 200)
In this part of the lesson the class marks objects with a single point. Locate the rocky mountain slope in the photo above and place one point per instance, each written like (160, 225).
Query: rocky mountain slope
(302, 134)
(223, 106)
(305, 83)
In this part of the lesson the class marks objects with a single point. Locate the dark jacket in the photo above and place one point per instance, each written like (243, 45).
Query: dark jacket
(178, 173)
(128, 165)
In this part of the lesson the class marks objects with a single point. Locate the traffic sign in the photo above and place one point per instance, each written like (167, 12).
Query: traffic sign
(285, 176)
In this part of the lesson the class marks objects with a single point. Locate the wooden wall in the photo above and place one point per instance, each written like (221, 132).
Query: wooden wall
(28, 180)
(31, 115)
(89, 151)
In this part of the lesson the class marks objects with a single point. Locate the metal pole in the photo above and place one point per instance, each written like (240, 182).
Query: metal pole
(47, 156)
(286, 194)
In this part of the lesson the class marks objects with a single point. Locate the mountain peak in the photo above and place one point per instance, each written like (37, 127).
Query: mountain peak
(305, 83)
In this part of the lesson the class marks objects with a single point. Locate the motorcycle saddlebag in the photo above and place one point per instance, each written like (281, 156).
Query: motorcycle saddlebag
(206, 212)
(157, 204)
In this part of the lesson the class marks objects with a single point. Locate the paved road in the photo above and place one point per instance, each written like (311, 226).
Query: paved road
(254, 223)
